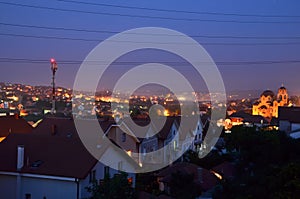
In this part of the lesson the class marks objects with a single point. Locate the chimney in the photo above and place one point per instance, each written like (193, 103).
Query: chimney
(53, 129)
(20, 157)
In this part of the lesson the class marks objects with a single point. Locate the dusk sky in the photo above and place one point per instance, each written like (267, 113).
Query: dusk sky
(255, 44)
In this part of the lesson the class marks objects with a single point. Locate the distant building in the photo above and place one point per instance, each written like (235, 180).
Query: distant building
(246, 119)
(289, 119)
(268, 103)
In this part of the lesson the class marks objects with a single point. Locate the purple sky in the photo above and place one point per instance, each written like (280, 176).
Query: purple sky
(274, 22)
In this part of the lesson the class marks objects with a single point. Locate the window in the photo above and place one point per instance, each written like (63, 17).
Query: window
(92, 176)
(123, 137)
(120, 165)
(106, 170)
(175, 145)
(130, 180)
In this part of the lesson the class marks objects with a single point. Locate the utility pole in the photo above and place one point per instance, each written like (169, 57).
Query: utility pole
(53, 69)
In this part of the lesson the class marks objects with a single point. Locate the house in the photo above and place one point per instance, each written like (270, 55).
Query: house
(204, 180)
(197, 134)
(164, 177)
(289, 119)
(52, 162)
(153, 146)
(243, 118)
(125, 138)
(170, 142)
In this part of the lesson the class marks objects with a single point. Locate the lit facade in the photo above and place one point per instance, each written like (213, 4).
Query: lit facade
(267, 105)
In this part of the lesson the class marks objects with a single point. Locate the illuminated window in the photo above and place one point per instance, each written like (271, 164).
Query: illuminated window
(130, 180)
(175, 144)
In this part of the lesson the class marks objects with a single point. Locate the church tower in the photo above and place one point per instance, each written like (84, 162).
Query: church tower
(282, 96)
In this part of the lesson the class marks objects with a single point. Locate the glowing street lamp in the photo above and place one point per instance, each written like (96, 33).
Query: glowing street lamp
(54, 69)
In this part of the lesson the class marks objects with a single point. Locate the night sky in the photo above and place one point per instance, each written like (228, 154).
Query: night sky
(255, 43)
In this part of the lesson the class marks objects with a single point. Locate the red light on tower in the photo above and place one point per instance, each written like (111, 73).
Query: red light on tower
(52, 60)
(53, 65)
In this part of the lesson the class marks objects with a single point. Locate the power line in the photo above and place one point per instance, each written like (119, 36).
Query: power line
(150, 17)
(145, 42)
(72, 62)
(181, 11)
(49, 37)
(154, 34)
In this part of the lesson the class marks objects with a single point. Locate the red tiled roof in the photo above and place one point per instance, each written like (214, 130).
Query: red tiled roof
(227, 169)
(12, 124)
(65, 126)
(184, 167)
(208, 180)
(62, 154)
(59, 156)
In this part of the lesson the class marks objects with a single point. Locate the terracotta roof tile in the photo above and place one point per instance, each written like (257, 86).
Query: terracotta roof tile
(12, 124)
(59, 156)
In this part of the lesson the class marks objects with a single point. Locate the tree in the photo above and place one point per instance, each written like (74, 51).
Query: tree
(117, 187)
(268, 165)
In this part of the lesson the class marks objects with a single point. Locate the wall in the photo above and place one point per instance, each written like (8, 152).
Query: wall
(8, 185)
(284, 126)
(51, 189)
(295, 126)
(38, 188)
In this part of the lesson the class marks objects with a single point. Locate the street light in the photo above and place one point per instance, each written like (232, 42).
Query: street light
(54, 69)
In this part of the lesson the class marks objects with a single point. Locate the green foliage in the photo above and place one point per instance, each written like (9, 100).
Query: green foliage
(147, 182)
(268, 165)
(116, 187)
